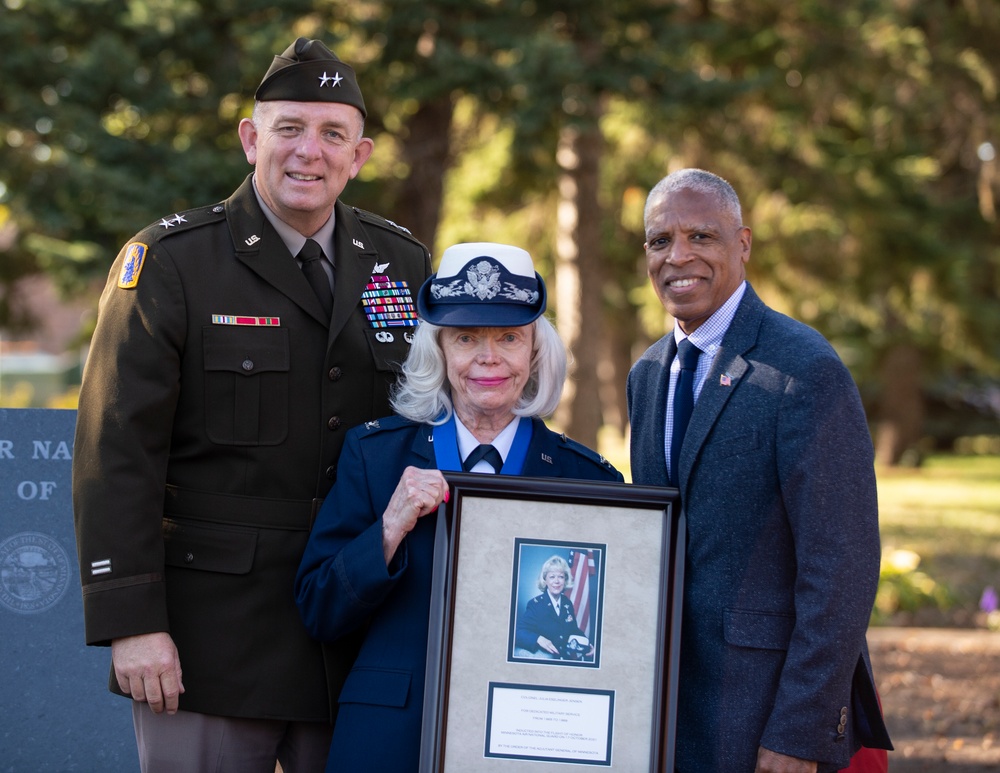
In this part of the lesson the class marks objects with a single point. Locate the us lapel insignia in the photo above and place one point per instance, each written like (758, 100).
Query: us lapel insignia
(725, 380)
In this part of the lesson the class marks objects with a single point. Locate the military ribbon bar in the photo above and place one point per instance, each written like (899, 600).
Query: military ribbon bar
(233, 319)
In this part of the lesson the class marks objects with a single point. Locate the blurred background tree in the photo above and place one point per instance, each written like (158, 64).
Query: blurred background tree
(861, 135)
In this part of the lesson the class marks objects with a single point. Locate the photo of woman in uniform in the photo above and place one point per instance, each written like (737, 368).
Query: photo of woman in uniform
(557, 625)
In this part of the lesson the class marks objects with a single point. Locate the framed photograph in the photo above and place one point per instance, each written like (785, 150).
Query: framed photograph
(554, 627)
(556, 603)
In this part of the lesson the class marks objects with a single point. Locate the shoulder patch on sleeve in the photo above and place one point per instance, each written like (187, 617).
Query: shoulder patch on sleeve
(135, 256)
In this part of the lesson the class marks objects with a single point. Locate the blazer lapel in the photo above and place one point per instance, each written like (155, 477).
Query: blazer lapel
(423, 446)
(542, 459)
(660, 406)
(356, 258)
(723, 379)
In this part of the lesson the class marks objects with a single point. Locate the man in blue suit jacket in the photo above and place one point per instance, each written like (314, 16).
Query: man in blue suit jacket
(776, 478)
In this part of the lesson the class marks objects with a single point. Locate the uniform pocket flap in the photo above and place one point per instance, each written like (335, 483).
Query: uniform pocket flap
(761, 630)
(389, 347)
(209, 547)
(246, 350)
(377, 687)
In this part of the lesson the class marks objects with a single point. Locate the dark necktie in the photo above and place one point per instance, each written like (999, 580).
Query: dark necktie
(311, 256)
(687, 354)
(489, 453)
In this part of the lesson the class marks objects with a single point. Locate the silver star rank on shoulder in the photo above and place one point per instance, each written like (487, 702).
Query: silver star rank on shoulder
(171, 222)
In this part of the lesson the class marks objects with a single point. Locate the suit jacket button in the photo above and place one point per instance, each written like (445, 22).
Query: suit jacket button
(331, 472)
(335, 374)
(248, 364)
(188, 558)
(334, 422)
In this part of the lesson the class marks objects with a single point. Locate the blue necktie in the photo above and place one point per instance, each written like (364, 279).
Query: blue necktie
(687, 354)
(311, 256)
(489, 453)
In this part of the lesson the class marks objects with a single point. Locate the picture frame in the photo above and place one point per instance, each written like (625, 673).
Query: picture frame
(604, 693)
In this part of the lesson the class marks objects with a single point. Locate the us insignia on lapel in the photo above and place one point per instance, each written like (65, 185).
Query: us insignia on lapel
(135, 256)
(725, 380)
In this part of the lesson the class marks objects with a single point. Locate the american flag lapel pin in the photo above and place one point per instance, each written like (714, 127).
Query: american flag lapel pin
(725, 380)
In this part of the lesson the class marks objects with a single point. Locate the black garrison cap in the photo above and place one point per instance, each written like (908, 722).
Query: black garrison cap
(308, 71)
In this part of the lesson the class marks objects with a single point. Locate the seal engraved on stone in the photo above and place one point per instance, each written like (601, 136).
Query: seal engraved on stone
(34, 572)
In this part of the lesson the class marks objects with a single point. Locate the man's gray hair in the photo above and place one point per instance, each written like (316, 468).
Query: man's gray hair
(424, 394)
(700, 181)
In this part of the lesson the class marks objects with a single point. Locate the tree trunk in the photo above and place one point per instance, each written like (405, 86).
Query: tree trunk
(579, 277)
(426, 151)
(901, 408)
(616, 360)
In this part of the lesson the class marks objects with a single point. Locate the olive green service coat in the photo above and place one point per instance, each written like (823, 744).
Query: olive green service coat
(214, 405)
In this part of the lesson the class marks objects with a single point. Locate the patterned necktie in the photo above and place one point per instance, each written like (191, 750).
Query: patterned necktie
(311, 256)
(687, 354)
(489, 453)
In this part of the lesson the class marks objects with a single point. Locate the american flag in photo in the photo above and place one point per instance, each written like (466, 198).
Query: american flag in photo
(581, 563)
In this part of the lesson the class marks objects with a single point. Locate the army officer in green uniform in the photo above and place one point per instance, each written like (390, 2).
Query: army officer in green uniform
(235, 345)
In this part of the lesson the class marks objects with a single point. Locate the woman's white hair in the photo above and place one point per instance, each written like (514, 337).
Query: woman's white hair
(423, 393)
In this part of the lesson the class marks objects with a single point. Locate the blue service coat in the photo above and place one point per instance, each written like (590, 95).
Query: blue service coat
(782, 557)
(343, 584)
(539, 618)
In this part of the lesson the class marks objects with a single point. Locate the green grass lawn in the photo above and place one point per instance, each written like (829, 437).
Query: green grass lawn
(947, 512)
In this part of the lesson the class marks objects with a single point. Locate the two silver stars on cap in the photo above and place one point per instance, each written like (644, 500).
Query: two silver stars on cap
(331, 81)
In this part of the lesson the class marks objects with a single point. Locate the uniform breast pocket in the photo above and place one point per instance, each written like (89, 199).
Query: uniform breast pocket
(246, 385)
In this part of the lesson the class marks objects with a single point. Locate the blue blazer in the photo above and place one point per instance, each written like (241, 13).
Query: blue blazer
(344, 587)
(777, 482)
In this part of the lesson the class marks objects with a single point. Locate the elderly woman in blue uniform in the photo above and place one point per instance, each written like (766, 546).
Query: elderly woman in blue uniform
(484, 366)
